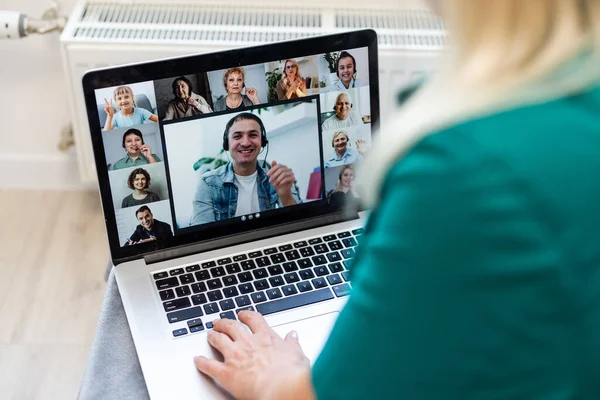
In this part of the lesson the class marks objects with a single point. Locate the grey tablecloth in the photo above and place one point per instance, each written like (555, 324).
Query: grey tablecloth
(113, 370)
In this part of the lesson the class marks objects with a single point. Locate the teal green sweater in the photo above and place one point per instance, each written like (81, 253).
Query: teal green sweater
(479, 273)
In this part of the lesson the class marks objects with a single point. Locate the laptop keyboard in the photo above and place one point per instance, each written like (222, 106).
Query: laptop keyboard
(268, 281)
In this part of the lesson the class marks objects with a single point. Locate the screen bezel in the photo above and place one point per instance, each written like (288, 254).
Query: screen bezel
(178, 66)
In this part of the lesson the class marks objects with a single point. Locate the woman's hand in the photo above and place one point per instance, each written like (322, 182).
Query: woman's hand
(109, 109)
(147, 152)
(192, 102)
(362, 147)
(252, 94)
(257, 365)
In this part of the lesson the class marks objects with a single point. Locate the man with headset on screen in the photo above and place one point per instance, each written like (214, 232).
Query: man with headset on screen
(244, 185)
(345, 68)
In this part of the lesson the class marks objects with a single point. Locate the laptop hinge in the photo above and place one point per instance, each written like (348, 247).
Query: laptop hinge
(246, 237)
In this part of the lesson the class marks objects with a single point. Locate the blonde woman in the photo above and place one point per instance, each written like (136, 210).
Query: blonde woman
(234, 82)
(292, 85)
(478, 274)
(129, 113)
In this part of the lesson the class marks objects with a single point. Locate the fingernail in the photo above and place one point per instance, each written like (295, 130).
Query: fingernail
(294, 335)
(196, 358)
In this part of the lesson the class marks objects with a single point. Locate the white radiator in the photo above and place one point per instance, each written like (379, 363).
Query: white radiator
(101, 34)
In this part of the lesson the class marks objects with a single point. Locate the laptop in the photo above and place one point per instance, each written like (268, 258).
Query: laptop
(227, 184)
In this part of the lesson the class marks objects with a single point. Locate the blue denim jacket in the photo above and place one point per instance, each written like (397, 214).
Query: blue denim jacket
(217, 194)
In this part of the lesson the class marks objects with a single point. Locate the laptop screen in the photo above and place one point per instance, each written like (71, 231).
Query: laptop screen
(199, 147)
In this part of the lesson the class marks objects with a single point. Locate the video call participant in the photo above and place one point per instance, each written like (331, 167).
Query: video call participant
(139, 180)
(345, 68)
(344, 188)
(129, 114)
(344, 115)
(291, 86)
(186, 103)
(342, 153)
(149, 228)
(234, 82)
(244, 185)
(138, 152)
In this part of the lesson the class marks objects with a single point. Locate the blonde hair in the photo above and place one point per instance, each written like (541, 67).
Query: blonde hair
(339, 133)
(502, 54)
(236, 70)
(293, 62)
(124, 90)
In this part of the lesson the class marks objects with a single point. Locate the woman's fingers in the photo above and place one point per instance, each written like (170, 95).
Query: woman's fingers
(221, 342)
(213, 368)
(254, 321)
(231, 328)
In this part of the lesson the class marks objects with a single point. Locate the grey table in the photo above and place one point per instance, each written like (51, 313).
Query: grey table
(113, 370)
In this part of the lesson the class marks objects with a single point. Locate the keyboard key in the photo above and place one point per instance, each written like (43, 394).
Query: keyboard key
(263, 261)
(182, 315)
(260, 273)
(167, 294)
(209, 264)
(198, 299)
(321, 270)
(192, 268)
(224, 261)
(231, 292)
(215, 295)
(292, 255)
(277, 258)
(315, 241)
(334, 256)
(349, 242)
(336, 267)
(288, 303)
(186, 279)
(307, 252)
(245, 288)
(304, 286)
(214, 284)
(329, 238)
(319, 282)
(240, 257)
(271, 250)
(261, 285)
(334, 279)
(226, 304)
(305, 263)
(177, 304)
(302, 243)
(180, 332)
(255, 254)
(306, 274)
(358, 231)
(289, 290)
(319, 260)
(358, 238)
(343, 234)
(275, 270)
(183, 291)
(211, 308)
(247, 308)
(274, 293)
(321, 248)
(230, 280)
(291, 278)
(227, 315)
(347, 264)
(276, 280)
(202, 275)
(245, 277)
(217, 272)
(347, 253)
(341, 290)
(346, 276)
(242, 301)
(160, 275)
(248, 265)
(290, 266)
(195, 325)
(258, 297)
(209, 325)
(176, 271)
(285, 247)
(167, 283)
(199, 287)
(233, 268)
(335, 245)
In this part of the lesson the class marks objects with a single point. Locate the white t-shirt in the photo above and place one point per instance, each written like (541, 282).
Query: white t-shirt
(334, 123)
(247, 195)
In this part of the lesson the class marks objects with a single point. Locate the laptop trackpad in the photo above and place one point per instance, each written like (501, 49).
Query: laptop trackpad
(312, 332)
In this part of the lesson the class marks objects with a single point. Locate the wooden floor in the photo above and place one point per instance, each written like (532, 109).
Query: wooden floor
(53, 253)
